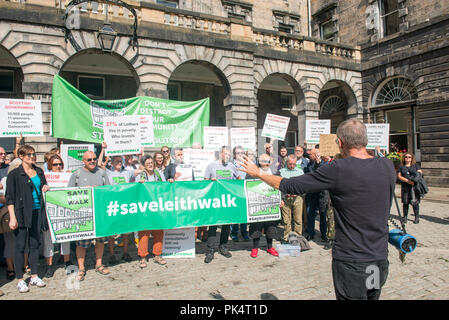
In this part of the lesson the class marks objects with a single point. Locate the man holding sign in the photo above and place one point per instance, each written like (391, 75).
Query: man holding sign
(89, 176)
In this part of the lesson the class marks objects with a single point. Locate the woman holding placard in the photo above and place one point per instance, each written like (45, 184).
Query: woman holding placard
(55, 164)
(150, 173)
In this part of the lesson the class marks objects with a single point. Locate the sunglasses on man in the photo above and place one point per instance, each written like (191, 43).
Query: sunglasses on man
(90, 159)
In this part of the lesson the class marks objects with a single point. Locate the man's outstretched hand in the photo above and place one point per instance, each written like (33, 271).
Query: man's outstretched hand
(249, 167)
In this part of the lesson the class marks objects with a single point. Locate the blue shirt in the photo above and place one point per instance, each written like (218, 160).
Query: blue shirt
(303, 163)
(36, 195)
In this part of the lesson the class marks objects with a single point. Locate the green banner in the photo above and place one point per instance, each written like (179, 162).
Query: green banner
(84, 213)
(76, 117)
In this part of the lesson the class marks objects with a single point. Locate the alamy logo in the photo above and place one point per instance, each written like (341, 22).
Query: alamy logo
(73, 20)
(373, 280)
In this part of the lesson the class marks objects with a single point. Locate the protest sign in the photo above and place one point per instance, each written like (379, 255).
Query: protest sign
(199, 159)
(72, 155)
(179, 243)
(184, 172)
(378, 135)
(20, 117)
(328, 146)
(122, 135)
(215, 137)
(275, 126)
(316, 127)
(58, 179)
(146, 130)
(74, 213)
(244, 137)
(70, 214)
(175, 123)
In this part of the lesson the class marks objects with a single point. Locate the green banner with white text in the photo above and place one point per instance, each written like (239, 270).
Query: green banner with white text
(85, 213)
(175, 123)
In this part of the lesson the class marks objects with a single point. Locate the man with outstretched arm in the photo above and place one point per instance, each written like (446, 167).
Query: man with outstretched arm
(361, 192)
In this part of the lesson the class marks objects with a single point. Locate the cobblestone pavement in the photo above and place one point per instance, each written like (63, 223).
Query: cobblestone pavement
(424, 275)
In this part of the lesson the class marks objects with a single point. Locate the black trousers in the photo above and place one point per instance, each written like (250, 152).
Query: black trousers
(359, 280)
(22, 237)
(212, 236)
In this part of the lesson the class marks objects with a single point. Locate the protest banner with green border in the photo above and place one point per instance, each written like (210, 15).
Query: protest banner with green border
(133, 207)
(175, 123)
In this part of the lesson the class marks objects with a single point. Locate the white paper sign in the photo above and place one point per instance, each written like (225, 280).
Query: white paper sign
(146, 130)
(378, 135)
(215, 137)
(72, 155)
(316, 127)
(184, 172)
(58, 179)
(122, 135)
(20, 117)
(179, 243)
(199, 159)
(244, 137)
(275, 126)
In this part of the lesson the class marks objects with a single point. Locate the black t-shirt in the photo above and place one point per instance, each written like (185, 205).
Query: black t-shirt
(361, 196)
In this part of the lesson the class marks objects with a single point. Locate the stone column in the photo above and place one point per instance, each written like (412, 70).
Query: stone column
(40, 91)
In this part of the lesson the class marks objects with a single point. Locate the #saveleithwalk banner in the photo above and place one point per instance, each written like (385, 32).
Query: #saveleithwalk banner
(86, 213)
(175, 123)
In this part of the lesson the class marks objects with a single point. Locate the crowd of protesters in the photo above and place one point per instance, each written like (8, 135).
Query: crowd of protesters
(23, 184)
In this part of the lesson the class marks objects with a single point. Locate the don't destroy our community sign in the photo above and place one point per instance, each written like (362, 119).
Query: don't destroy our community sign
(76, 214)
(175, 123)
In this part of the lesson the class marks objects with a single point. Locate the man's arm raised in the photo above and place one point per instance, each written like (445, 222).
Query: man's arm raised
(253, 170)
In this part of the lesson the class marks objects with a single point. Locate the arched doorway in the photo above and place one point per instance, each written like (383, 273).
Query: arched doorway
(336, 98)
(394, 102)
(11, 77)
(195, 80)
(279, 94)
(100, 76)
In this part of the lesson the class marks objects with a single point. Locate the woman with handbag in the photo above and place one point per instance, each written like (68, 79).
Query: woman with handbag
(25, 186)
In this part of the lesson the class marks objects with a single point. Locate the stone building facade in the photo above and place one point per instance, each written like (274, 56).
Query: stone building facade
(304, 59)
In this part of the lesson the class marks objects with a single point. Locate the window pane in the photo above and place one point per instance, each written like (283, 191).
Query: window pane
(389, 6)
(327, 30)
(391, 24)
(398, 121)
(173, 4)
(6, 81)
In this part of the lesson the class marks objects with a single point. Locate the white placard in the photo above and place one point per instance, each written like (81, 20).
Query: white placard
(215, 137)
(20, 117)
(275, 126)
(72, 155)
(122, 135)
(179, 243)
(316, 127)
(244, 137)
(146, 130)
(199, 159)
(184, 171)
(378, 136)
(58, 179)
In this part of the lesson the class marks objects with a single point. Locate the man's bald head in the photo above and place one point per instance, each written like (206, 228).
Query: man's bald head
(89, 160)
(314, 154)
(2, 155)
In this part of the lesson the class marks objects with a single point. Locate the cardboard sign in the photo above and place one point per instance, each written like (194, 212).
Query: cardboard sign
(215, 137)
(122, 135)
(20, 117)
(179, 243)
(378, 135)
(72, 155)
(328, 146)
(275, 126)
(316, 127)
(146, 130)
(199, 159)
(244, 137)
(58, 179)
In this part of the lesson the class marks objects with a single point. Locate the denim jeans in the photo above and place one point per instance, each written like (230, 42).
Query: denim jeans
(314, 203)
(235, 229)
